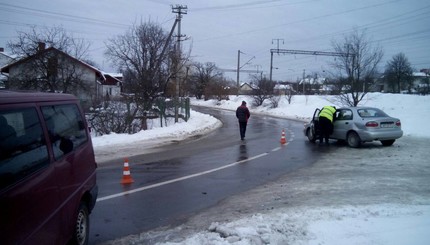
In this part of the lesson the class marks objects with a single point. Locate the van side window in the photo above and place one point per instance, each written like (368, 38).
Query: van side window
(22, 146)
(65, 127)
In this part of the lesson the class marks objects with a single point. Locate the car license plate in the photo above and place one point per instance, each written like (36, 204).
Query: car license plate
(387, 125)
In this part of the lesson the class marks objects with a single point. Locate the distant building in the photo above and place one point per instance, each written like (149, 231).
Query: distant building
(420, 84)
(52, 66)
(5, 59)
(246, 89)
(111, 87)
(284, 88)
(314, 85)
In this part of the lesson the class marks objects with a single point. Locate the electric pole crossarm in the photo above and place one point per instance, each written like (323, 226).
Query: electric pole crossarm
(289, 51)
(235, 70)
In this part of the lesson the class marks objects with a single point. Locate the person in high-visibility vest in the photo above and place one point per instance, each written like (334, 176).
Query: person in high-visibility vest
(326, 116)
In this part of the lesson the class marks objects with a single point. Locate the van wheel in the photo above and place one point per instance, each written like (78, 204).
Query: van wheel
(82, 226)
(353, 140)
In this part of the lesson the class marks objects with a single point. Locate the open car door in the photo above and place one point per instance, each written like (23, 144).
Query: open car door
(313, 132)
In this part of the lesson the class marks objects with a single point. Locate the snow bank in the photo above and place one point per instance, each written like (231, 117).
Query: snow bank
(412, 110)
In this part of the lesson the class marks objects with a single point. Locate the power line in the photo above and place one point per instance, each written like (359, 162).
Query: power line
(57, 15)
(300, 21)
(250, 5)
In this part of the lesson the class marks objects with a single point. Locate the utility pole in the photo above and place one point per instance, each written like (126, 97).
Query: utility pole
(238, 71)
(271, 66)
(261, 72)
(271, 55)
(179, 10)
(239, 67)
(277, 41)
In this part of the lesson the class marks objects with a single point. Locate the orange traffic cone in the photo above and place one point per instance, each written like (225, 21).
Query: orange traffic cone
(283, 139)
(126, 176)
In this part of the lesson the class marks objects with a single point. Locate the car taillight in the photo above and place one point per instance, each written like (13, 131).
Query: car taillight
(372, 124)
(398, 124)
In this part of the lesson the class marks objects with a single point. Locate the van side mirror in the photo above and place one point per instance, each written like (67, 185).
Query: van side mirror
(81, 125)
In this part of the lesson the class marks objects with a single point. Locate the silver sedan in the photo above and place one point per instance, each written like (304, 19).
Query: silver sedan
(357, 125)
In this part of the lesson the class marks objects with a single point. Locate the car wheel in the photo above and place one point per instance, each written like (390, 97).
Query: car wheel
(82, 226)
(311, 135)
(353, 140)
(387, 142)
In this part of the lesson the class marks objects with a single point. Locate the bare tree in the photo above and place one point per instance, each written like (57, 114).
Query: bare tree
(53, 69)
(274, 101)
(398, 73)
(263, 91)
(145, 53)
(28, 42)
(289, 94)
(114, 116)
(203, 75)
(358, 65)
(218, 89)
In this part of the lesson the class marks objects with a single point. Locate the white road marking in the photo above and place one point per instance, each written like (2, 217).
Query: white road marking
(178, 179)
(192, 175)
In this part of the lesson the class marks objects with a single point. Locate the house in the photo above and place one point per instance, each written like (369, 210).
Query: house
(5, 59)
(314, 85)
(111, 87)
(420, 84)
(284, 88)
(53, 70)
(246, 89)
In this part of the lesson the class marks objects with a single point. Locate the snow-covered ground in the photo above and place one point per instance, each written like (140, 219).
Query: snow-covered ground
(372, 195)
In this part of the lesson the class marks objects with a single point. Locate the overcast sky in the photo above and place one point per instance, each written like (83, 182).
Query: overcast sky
(218, 29)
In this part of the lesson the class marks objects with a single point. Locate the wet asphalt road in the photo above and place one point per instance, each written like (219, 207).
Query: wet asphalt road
(187, 177)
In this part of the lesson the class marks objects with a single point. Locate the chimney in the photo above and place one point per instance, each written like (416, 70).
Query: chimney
(42, 46)
(1, 49)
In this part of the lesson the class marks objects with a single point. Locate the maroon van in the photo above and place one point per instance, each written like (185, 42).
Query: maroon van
(47, 169)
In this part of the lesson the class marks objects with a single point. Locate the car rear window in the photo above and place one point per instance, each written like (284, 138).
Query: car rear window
(371, 112)
(23, 149)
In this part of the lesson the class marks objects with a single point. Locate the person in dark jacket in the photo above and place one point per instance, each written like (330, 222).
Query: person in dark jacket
(326, 122)
(242, 114)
